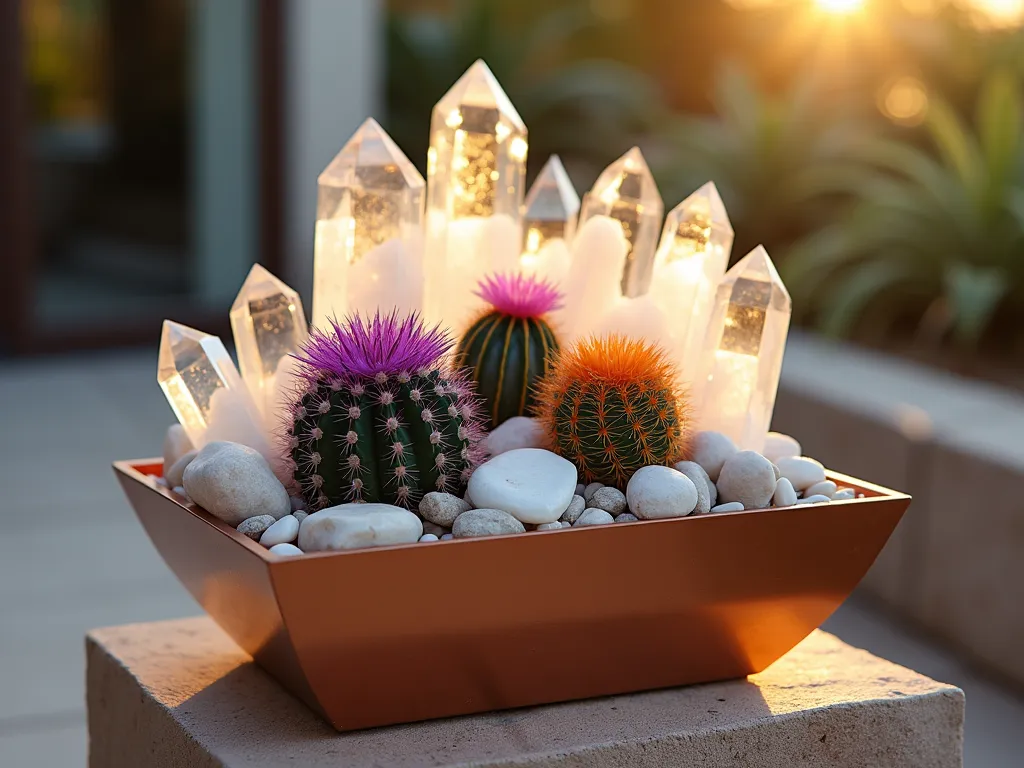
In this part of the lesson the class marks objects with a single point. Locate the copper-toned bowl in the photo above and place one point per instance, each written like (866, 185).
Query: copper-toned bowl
(397, 634)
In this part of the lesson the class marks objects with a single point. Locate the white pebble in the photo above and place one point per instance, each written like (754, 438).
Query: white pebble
(825, 488)
(816, 499)
(180, 490)
(656, 492)
(176, 445)
(175, 474)
(802, 472)
(286, 549)
(429, 537)
(532, 485)
(711, 450)
(161, 482)
(701, 482)
(748, 478)
(447, 537)
(729, 506)
(778, 446)
(555, 526)
(517, 432)
(354, 526)
(234, 482)
(784, 495)
(284, 531)
(844, 493)
(593, 516)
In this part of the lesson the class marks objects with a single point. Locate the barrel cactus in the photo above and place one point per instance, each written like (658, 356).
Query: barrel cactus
(511, 346)
(381, 415)
(612, 405)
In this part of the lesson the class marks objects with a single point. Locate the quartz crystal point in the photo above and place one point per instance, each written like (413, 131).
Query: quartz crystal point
(743, 349)
(205, 391)
(368, 251)
(690, 263)
(475, 170)
(549, 215)
(626, 191)
(268, 325)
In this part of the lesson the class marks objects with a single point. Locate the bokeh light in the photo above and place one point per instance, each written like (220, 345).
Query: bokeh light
(904, 101)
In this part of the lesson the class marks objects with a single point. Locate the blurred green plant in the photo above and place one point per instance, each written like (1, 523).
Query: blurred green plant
(937, 240)
(769, 156)
(576, 102)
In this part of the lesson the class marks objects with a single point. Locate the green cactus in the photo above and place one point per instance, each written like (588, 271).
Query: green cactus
(380, 418)
(511, 346)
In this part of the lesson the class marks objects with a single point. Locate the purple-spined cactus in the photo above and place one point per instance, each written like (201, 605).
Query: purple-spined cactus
(382, 416)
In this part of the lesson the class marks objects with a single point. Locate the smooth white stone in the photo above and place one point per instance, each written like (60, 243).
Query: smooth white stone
(517, 432)
(655, 492)
(442, 508)
(287, 550)
(284, 531)
(354, 526)
(555, 526)
(593, 516)
(176, 445)
(802, 472)
(590, 490)
(844, 493)
(255, 526)
(711, 450)
(824, 488)
(532, 485)
(729, 506)
(747, 477)
(429, 537)
(447, 537)
(816, 499)
(234, 482)
(566, 523)
(611, 500)
(778, 446)
(707, 493)
(175, 474)
(784, 495)
(486, 522)
(626, 517)
(574, 510)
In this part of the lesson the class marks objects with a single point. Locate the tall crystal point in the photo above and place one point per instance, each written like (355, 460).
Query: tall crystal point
(268, 325)
(549, 215)
(626, 191)
(369, 219)
(475, 171)
(689, 264)
(743, 349)
(205, 391)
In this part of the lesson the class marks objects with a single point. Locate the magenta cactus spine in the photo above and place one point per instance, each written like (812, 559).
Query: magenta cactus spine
(511, 345)
(382, 416)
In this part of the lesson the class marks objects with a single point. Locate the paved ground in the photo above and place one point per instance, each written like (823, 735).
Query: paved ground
(72, 557)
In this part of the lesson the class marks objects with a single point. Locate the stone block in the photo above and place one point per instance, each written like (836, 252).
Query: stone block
(180, 693)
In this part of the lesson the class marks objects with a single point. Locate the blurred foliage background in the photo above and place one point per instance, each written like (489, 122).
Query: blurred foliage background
(874, 146)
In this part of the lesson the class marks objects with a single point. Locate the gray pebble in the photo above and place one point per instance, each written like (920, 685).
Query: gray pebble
(485, 522)
(447, 537)
(555, 526)
(574, 510)
(729, 506)
(611, 500)
(747, 477)
(300, 515)
(699, 477)
(580, 489)
(626, 517)
(844, 493)
(175, 474)
(254, 527)
(590, 490)
(442, 508)
(593, 516)
(429, 537)
(434, 528)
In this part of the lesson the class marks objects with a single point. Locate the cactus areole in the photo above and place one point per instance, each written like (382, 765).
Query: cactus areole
(381, 416)
(613, 405)
(511, 346)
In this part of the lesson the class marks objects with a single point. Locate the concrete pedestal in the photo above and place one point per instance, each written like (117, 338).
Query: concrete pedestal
(180, 693)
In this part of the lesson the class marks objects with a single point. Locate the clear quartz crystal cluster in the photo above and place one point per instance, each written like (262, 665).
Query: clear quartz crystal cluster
(387, 239)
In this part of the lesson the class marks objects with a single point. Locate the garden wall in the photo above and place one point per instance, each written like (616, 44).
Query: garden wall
(955, 565)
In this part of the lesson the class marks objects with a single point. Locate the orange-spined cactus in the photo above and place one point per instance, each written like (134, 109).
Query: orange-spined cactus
(612, 405)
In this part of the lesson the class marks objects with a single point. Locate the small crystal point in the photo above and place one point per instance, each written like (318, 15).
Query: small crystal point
(268, 325)
(369, 194)
(690, 262)
(199, 380)
(550, 210)
(626, 191)
(743, 350)
(476, 167)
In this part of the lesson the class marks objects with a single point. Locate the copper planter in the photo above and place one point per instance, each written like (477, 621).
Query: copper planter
(398, 634)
